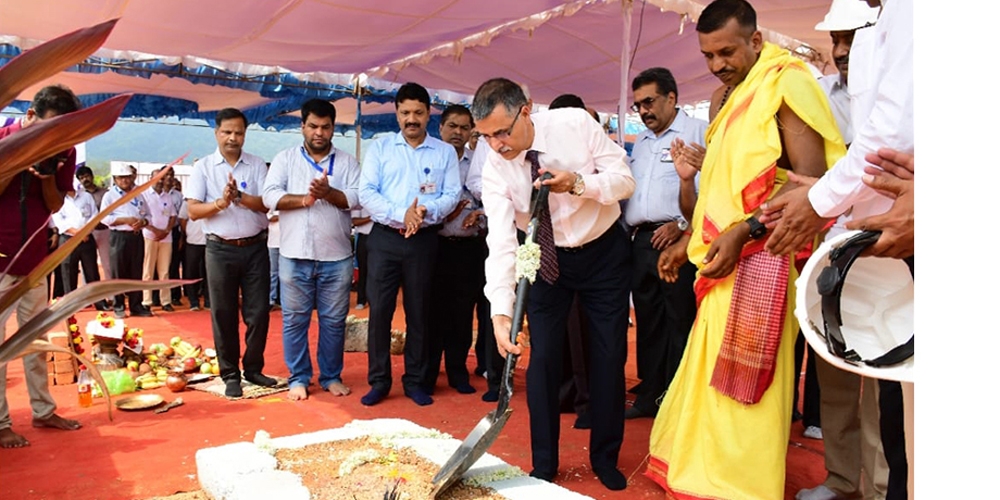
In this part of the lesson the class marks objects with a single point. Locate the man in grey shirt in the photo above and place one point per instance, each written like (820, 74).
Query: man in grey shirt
(315, 186)
(225, 190)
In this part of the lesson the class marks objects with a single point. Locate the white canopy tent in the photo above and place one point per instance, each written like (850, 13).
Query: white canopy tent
(229, 47)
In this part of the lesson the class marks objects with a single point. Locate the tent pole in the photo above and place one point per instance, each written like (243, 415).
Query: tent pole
(357, 127)
(626, 57)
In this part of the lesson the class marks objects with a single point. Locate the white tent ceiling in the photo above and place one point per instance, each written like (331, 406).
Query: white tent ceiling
(450, 45)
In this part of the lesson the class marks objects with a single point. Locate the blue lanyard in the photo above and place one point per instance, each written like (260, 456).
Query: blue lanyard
(329, 167)
(134, 201)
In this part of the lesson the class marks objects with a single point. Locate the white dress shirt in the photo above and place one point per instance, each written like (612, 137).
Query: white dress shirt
(567, 139)
(365, 228)
(840, 104)
(455, 227)
(136, 207)
(657, 185)
(209, 179)
(475, 179)
(77, 210)
(273, 229)
(161, 209)
(321, 232)
(194, 229)
(881, 72)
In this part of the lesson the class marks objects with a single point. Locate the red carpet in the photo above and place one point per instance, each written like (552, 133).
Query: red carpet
(140, 455)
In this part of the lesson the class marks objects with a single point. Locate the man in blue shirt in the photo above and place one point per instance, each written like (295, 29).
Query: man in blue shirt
(409, 184)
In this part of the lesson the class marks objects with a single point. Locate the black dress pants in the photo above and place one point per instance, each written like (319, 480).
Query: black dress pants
(235, 271)
(194, 268)
(460, 274)
(361, 251)
(890, 406)
(85, 256)
(127, 251)
(599, 273)
(664, 314)
(394, 262)
(811, 394)
(176, 259)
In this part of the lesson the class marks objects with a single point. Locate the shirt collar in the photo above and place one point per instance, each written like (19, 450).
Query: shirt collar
(540, 143)
(217, 158)
(333, 150)
(678, 125)
(400, 140)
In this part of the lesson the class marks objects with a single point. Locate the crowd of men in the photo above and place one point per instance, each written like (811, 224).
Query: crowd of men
(703, 225)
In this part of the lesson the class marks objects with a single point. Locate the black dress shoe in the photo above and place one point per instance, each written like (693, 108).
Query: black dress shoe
(543, 475)
(612, 479)
(142, 312)
(102, 306)
(234, 389)
(260, 379)
(491, 396)
(582, 421)
(120, 313)
(176, 302)
(636, 412)
(168, 308)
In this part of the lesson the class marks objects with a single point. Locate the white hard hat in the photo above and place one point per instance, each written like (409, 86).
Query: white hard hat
(847, 15)
(860, 321)
(121, 169)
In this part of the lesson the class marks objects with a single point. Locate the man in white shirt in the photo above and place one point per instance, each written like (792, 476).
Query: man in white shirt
(78, 209)
(194, 259)
(315, 186)
(225, 189)
(274, 256)
(881, 89)
(126, 238)
(158, 240)
(584, 250)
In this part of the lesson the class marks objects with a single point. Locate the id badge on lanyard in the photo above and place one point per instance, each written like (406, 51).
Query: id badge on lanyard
(428, 186)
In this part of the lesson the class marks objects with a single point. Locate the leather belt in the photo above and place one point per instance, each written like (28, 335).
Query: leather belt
(589, 243)
(434, 229)
(649, 226)
(239, 242)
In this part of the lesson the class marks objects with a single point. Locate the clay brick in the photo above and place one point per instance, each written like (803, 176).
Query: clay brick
(66, 366)
(64, 379)
(58, 338)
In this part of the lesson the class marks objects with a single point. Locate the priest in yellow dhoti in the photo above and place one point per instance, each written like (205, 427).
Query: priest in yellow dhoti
(722, 428)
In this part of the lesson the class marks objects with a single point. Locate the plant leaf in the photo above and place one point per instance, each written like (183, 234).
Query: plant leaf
(47, 137)
(43, 346)
(49, 58)
(68, 305)
(56, 257)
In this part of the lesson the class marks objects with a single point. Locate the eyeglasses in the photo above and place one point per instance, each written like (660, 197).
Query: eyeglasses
(645, 103)
(505, 133)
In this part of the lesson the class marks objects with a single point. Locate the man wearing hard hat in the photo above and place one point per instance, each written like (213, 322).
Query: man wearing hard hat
(848, 402)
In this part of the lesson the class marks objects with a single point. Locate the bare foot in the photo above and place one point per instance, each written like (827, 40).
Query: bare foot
(338, 389)
(297, 393)
(10, 439)
(56, 422)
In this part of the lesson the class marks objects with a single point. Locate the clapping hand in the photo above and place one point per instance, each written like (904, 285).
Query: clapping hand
(414, 218)
(687, 158)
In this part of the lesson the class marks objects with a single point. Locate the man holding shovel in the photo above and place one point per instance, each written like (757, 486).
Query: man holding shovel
(582, 249)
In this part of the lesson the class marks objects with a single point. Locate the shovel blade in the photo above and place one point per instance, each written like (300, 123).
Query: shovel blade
(472, 449)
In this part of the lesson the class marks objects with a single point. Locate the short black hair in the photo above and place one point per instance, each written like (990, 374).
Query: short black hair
(320, 109)
(57, 98)
(413, 92)
(497, 91)
(719, 12)
(567, 101)
(456, 109)
(84, 170)
(228, 114)
(664, 80)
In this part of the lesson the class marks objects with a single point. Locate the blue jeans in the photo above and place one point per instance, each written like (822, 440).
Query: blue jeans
(274, 296)
(326, 287)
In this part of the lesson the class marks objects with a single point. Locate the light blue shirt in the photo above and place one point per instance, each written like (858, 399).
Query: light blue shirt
(657, 185)
(321, 232)
(209, 179)
(394, 172)
(455, 228)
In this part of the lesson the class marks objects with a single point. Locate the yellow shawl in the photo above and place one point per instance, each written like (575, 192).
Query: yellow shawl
(740, 168)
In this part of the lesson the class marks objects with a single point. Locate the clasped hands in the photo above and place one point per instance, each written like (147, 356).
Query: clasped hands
(414, 218)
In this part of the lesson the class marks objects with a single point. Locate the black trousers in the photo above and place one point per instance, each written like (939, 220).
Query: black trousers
(890, 406)
(810, 396)
(361, 251)
(234, 272)
(459, 277)
(85, 256)
(127, 252)
(599, 273)
(574, 392)
(664, 314)
(194, 268)
(176, 258)
(394, 261)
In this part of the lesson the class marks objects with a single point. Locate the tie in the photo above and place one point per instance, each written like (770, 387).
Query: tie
(549, 268)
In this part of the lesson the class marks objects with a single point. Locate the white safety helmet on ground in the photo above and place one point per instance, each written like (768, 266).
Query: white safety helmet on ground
(847, 15)
(857, 312)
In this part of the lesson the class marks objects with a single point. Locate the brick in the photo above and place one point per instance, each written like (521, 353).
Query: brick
(64, 379)
(58, 338)
(66, 366)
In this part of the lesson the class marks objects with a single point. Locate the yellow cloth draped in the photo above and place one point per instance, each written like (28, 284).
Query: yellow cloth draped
(704, 444)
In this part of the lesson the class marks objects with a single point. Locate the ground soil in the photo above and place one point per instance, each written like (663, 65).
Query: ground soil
(402, 470)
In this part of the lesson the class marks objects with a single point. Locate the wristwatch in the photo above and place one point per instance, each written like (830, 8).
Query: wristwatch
(682, 224)
(757, 230)
(578, 187)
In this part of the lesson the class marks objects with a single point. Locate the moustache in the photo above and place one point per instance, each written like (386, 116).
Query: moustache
(414, 125)
(842, 60)
(648, 116)
(721, 74)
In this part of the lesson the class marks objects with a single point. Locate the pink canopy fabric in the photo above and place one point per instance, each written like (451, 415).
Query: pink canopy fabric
(449, 46)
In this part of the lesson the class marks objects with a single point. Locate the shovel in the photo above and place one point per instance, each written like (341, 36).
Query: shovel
(486, 431)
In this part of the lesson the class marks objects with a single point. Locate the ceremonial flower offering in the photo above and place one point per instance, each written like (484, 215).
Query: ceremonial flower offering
(528, 259)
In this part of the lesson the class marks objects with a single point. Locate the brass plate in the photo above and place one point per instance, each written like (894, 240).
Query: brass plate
(139, 402)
